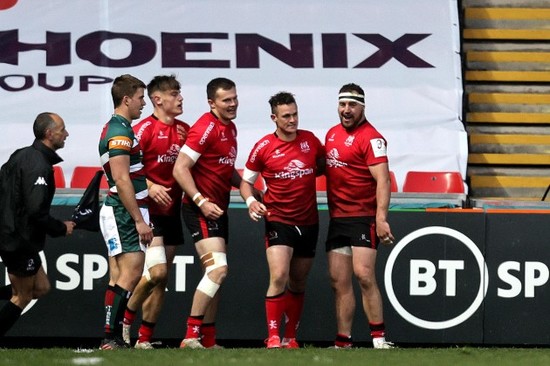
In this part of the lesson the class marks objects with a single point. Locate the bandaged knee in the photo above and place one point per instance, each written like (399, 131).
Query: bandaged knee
(208, 286)
(153, 256)
(210, 262)
(213, 260)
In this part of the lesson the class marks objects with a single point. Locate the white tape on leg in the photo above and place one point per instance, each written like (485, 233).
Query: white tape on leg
(155, 255)
(146, 273)
(212, 260)
(208, 286)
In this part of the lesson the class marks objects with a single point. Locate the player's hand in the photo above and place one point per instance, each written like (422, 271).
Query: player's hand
(384, 232)
(257, 210)
(210, 210)
(160, 194)
(145, 232)
(387, 240)
(70, 227)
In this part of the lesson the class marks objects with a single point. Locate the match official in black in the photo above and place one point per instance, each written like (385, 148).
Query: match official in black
(27, 187)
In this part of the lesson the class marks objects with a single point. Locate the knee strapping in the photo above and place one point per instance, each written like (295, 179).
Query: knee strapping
(212, 260)
(208, 286)
(146, 273)
(153, 256)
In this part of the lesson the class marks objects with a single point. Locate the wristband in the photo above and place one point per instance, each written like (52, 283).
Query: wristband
(201, 202)
(249, 201)
(198, 198)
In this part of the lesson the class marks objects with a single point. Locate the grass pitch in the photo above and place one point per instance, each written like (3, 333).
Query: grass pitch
(310, 356)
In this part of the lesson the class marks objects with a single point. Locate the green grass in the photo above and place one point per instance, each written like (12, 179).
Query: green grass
(310, 356)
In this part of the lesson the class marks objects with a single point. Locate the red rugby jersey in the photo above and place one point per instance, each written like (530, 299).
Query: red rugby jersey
(351, 188)
(216, 143)
(289, 171)
(161, 144)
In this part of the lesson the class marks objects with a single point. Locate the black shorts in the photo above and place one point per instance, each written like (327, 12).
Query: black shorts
(352, 232)
(21, 263)
(202, 228)
(169, 227)
(303, 238)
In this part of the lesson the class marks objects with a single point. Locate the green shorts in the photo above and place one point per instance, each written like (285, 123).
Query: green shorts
(119, 230)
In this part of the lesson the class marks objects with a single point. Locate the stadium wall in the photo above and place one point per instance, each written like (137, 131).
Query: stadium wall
(455, 276)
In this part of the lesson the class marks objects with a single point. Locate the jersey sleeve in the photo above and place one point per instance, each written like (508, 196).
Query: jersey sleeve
(376, 150)
(255, 159)
(200, 136)
(119, 142)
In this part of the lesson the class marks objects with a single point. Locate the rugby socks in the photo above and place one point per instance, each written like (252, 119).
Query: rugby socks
(194, 327)
(274, 309)
(5, 292)
(116, 299)
(109, 300)
(208, 333)
(343, 341)
(377, 330)
(294, 305)
(129, 316)
(8, 316)
(145, 332)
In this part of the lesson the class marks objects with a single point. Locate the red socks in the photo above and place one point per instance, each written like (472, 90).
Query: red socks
(289, 303)
(377, 330)
(274, 309)
(343, 341)
(129, 316)
(205, 332)
(145, 332)
(194, 327)
(208, 333)
(294, 305)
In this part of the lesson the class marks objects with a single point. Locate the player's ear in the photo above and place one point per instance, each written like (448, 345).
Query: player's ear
(156, 99)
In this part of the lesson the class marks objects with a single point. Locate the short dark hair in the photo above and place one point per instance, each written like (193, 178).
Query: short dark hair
(125, 85)
(163, 83)
(281, 98)
(351, 88)
(43, 122)
(218, 83)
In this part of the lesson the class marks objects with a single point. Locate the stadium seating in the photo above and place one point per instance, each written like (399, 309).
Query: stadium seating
(59, 176)
(506, 74)
(507, 24)
(433, 182)
(393, 182)
(82, 175)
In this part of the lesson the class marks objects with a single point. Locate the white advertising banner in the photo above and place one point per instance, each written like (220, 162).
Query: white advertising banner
(61, 56)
